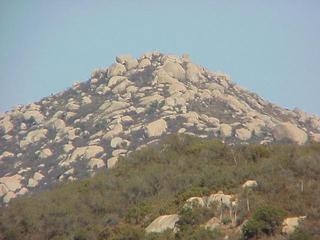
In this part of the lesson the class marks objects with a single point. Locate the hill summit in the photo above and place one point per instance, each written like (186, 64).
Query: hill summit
(132, 103)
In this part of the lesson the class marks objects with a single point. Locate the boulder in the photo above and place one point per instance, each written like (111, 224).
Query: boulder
(156, 128)
(33, 115)
(144, 63)
(176, 87)
(56, 124)
(243, 134)
(68, 147)
(6, 125)
(12, 183)
(221, 199)
(112, 162)
(118, 142)
(116, 69)
(6, 155)
(86, 152)
(113, 132)
(86, 100)
(23, 126)
(250, 184)
(163, 223)
(170, 58)
(195, 201)
(33, 137)
(210, 120)
(315, 137)
(45, 153)
(122, 59)
(315, 122)
(38, 176)
(118, 152)
(147, 100)
(3, 190)
(290, 224)
(127, 119)
(225, 130)
(193, 73)
(131, 63)
(191, 117)
(113, 106)
(116, 80)
(255, 126)
(72, 106)
(7, 198)
(212, 224)
(22, 191)
(32, 183)
(121, 87)
(96, 163)
(174, 70)
(289, 132)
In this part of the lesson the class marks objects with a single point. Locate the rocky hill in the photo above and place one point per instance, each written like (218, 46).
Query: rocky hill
(132, 103)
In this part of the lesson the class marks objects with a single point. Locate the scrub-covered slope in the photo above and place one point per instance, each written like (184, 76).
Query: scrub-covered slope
(184, 188)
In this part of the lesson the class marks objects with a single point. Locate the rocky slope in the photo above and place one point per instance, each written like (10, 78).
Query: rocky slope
(131, 103)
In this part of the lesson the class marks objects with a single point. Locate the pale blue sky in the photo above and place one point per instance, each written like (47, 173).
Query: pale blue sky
(271, 47)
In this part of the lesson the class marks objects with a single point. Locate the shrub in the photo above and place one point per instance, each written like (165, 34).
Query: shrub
(154, 106)
(198, 233)
(300, 234)
(136, 214)
(166, 235)
(194, 191)
(264, 220)
(193, 216)
(122, 232)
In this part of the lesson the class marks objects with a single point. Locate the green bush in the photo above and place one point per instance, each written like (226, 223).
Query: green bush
(300, 234)
(123, 232)
(198, 233)
(194, 216)
(136, 214)
(265, 220)
(194, 191)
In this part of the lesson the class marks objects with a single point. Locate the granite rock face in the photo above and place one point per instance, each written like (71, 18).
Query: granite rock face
(134, 102)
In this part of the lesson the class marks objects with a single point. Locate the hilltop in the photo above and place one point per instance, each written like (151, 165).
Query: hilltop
(128, 105)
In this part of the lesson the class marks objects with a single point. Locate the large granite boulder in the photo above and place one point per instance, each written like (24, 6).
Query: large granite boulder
(289, 132)
(33, 137)
(6, 125)
(10, 184)
(156, 128)
(175, 70)
(116, 69)
(163, 223)
(290, 224)
(33, 115)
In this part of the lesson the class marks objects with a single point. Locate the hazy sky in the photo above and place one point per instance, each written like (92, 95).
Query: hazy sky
(271, 47)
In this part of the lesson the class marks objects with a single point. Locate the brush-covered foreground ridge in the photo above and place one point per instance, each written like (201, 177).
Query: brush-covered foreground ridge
(183, 188)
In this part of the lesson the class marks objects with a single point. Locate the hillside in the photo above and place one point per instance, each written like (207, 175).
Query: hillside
(158, 180)
(134, 102)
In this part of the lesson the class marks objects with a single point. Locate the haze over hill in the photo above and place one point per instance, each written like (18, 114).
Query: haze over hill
(127, 105)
